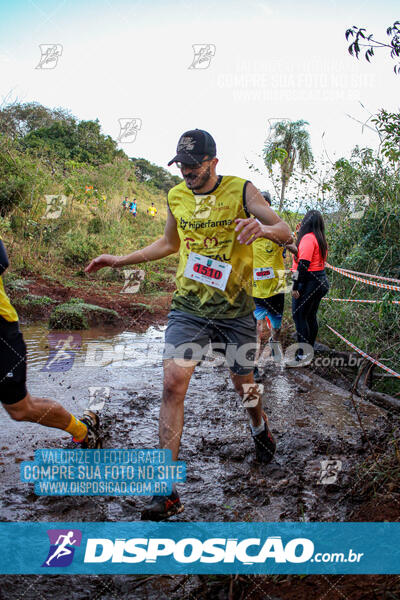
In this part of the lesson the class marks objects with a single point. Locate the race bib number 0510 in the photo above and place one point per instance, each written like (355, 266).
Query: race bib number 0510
(207, 270)
(263, 273)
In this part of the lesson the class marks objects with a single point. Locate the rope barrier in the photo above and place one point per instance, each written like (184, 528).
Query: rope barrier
(386, 286)
(364, 354)
(373, 276)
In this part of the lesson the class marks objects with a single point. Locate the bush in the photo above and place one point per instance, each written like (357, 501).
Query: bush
(79, 249)
(95, 225)
(77, 315)
(368, 244)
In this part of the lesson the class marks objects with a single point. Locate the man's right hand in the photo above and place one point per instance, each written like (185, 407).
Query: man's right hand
(104, 260)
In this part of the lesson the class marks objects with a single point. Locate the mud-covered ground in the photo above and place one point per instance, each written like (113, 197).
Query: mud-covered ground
(312, 420)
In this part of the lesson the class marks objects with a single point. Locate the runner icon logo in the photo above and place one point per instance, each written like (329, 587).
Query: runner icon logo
(98, 397)
(128, 128)
(186, 143)
(358, 203)
(330, 470)
(55, 204)
(203, 53)
(204, 204)
(63, 348)
(62, 547)
(252, 394)
(50, 53)
(133, 279)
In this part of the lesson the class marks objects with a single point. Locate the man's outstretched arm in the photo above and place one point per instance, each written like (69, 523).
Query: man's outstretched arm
(167, 244)
(269, 224)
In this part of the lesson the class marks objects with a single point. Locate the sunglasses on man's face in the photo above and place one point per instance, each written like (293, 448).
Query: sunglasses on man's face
(193, 167)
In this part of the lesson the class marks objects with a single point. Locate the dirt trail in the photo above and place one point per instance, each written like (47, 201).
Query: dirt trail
(312, 419)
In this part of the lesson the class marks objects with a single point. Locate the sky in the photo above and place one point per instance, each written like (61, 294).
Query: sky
(269, 61)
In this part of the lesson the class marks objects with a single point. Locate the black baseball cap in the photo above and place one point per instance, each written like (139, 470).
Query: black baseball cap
(194, 146)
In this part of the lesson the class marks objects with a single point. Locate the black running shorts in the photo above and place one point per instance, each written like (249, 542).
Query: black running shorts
(12, 363)
(187, 337)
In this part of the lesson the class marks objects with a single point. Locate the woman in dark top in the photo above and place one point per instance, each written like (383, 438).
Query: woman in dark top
(310, 282)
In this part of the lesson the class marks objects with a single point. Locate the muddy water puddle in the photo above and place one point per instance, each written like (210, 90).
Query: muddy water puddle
(313, 421)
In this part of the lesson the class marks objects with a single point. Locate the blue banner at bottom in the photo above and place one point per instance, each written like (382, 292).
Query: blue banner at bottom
(201, 547)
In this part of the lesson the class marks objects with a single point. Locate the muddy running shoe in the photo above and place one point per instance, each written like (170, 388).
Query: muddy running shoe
(264, 443)
(300, 360)
(257, 375)
(92, 439)
(162, 507)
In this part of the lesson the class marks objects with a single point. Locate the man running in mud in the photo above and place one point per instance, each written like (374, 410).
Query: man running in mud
(19, 404)
(213, 300)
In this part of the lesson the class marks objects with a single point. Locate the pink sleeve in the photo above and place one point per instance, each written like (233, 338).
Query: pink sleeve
(306, 247)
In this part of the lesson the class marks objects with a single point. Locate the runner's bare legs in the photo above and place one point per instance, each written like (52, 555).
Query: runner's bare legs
(255, 412)
(262, 329)
(39, 410)
(176, 383)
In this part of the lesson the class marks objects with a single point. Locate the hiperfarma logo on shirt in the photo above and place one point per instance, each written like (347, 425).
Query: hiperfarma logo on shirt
(204, 204)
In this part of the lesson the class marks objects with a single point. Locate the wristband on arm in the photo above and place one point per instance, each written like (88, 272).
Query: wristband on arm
(302, 269)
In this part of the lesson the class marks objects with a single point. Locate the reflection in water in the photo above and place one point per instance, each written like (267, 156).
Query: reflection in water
(98, 346)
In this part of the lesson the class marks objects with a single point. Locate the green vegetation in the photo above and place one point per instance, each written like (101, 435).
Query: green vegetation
(48, 152)
(32, 300)
(79, 315)
(368, 244)
(155, 176)
(359, 197)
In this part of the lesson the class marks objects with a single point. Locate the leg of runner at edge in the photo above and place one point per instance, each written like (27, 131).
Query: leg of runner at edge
(19, 404)
(50, 413)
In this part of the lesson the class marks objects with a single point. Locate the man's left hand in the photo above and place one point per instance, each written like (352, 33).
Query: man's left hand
(249, 230)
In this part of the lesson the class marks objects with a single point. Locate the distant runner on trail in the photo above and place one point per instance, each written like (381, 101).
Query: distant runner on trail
(19, 404)
(268, 292)
(310, 283)
(152, 210)
(133, 207)
(209, 224)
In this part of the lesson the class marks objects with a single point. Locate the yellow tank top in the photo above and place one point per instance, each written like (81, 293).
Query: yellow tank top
(206, 226)
(268, 269)
(7, 311)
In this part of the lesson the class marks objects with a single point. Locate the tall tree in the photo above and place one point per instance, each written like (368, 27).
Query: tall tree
(288, 145)
(17, 120)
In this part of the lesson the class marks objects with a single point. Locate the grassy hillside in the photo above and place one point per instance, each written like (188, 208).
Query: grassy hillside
(59, 249)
